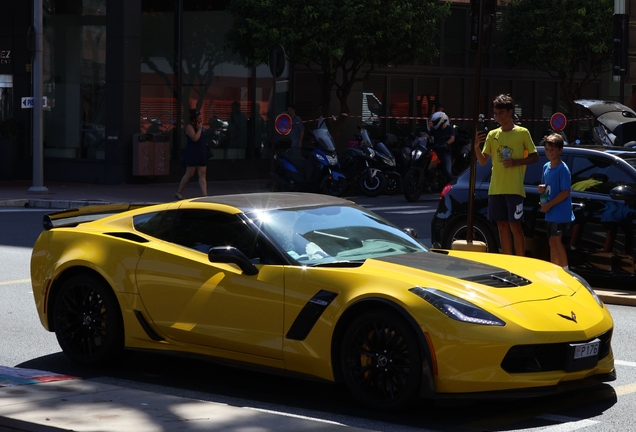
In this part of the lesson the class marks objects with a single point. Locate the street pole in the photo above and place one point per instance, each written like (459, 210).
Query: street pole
(38, 123)
(473, 156)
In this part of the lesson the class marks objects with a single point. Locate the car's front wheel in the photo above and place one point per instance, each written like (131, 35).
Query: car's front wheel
(382, 361)
(481, 232)
(87, 319)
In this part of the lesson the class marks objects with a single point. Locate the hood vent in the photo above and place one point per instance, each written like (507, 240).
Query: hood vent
(502, 279)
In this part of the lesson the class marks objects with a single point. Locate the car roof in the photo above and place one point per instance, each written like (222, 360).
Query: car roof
(600, 107)
(583, 150)
(272, 201)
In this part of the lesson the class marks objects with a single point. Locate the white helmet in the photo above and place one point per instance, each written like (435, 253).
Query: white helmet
(438, 119)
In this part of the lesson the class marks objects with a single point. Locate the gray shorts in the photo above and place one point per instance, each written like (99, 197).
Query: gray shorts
(506, 207)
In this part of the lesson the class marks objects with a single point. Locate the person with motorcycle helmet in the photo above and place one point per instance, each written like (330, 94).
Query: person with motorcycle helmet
(443, 137)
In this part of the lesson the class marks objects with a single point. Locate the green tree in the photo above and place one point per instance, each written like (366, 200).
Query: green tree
(340, 41)
(569, 39)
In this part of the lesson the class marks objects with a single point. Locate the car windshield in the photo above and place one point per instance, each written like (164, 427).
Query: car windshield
(330, 234)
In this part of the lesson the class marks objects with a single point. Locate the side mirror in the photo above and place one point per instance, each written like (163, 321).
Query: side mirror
(623, 192)
(411, 231)
(231, 255)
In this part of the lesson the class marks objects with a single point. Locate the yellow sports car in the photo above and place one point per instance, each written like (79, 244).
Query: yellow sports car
(316, 285)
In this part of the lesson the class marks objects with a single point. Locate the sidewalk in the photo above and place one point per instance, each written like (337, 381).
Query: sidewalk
(72, 195)
(79, 405)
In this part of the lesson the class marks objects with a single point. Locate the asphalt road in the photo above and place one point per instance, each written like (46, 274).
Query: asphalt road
(24, 343)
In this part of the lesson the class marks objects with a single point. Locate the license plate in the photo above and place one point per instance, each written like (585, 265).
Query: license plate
(586, 350)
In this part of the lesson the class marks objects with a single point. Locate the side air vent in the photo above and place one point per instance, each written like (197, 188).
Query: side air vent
(128, 236)
(502, 279)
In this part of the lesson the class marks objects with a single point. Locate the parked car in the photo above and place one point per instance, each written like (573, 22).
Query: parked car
(601, 242)
(316, 286)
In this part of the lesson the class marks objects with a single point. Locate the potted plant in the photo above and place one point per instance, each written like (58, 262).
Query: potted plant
(9, 134)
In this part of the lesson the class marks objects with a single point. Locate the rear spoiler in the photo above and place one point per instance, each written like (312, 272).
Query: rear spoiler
(74, 217)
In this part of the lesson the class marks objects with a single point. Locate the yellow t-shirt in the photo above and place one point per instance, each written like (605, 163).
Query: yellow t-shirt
(520, 144)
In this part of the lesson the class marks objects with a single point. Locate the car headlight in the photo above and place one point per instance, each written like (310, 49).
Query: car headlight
(457, 308)
(586, 285)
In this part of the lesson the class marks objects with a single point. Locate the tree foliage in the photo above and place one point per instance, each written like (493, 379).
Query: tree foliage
(570, 39)
(341, 41)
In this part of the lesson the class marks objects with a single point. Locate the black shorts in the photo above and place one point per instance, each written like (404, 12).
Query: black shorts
(506, 207)
(557, 228)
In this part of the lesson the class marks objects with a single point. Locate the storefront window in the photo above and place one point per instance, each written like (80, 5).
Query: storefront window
(74, 79)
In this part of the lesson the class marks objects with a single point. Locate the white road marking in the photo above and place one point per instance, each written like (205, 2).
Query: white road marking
(624, 363)
(566, 423)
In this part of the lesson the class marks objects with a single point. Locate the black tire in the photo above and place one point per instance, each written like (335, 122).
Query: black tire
(333, 187)
(381, 361)
(393, 184)
(482, 231)
(374, 186)
(412, 186)
(88, 321)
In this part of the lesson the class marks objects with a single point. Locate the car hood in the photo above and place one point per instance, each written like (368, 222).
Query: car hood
(609, 113)
(500, 284)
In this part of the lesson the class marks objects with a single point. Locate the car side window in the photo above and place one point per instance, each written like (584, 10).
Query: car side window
(204, 229)
(156, 224)
(596, 175)
(534, 172)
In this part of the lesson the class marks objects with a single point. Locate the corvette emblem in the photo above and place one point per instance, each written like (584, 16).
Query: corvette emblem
(572, 317)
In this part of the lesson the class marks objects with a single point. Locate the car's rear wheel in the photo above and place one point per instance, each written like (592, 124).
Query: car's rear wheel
(481, 232)
(87, 319)
(382, 361)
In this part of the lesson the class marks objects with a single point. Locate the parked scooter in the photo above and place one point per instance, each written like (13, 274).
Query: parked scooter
(358, 166)
(318, 172)
(385, 161)
(425, 172)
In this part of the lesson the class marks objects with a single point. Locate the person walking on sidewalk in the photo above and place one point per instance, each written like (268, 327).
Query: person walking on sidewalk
(512, 149)
(195, 156)
(556, 201)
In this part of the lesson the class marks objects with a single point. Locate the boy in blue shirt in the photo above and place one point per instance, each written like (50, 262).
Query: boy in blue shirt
(556, 183)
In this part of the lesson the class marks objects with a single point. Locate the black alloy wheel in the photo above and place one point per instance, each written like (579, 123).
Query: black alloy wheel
(88, 321)
(382, 361)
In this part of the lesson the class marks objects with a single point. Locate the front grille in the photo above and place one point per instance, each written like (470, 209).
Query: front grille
(503, 279)
(546, 357)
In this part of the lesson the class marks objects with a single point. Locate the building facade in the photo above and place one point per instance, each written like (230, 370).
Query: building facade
(120, 76)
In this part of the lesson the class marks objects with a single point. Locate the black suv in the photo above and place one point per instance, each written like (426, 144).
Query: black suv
(600, 243)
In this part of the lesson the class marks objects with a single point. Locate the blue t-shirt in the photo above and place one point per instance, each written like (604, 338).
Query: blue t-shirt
(557, 179)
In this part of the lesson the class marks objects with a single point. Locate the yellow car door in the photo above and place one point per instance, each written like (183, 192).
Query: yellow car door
(192, 300)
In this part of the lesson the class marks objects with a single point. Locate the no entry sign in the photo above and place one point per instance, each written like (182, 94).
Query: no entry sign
(283, 124)
(558, 121)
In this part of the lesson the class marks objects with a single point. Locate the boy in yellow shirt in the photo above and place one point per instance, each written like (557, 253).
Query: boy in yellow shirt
(512, 149)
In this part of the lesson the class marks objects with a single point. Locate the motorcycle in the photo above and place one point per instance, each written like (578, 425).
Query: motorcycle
(425, 171)
(384, 160)
(401, 151)
(318, 172)
(359, 167)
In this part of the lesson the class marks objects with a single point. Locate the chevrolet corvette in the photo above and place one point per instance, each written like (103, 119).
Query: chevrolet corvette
(317, 286)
